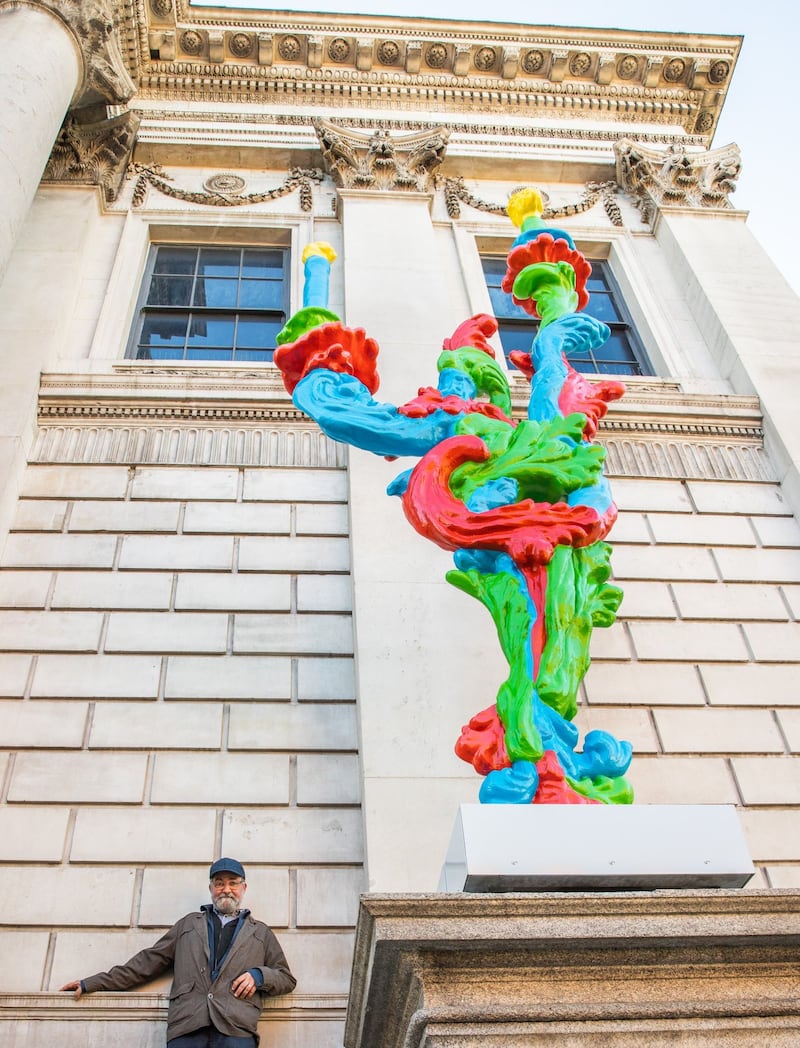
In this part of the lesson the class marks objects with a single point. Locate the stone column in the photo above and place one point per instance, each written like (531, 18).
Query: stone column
(54, 55)
(40, 71)
(397, 287)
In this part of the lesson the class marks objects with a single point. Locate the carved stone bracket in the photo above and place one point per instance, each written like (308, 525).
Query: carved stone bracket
(676, 178)
(456, 194)
(298, 178)
(380, 161)
(92, 23)
(94, 154)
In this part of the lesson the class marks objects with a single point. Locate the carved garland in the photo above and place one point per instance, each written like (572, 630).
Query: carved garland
(456, 193)
(298, 178)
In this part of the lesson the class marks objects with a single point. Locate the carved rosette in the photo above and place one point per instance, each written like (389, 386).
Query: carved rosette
(95, 154)
(380, 161)
(675, 178)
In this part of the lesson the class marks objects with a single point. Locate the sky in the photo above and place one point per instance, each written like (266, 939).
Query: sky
(759, 114)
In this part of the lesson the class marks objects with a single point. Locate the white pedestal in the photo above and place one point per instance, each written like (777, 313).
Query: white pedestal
(554, 847)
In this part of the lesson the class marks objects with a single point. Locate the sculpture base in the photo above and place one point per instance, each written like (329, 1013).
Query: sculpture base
(594, 847)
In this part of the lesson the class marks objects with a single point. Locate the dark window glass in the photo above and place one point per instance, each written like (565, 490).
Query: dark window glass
(211, 303)
(623, 353)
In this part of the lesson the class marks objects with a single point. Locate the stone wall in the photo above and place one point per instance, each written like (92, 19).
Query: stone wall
(177, 683)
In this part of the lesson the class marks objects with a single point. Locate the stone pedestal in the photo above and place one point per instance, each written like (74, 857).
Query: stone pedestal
(573, 970)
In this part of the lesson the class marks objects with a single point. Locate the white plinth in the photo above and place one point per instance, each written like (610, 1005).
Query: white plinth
(595, 847)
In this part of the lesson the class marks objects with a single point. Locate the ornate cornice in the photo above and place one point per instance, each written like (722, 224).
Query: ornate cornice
(225, 415)
(177, 50)
(676, 178)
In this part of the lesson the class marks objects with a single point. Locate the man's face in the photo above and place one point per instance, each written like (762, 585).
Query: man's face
(227, 891)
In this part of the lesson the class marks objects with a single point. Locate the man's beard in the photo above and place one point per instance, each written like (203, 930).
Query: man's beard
(226, 904)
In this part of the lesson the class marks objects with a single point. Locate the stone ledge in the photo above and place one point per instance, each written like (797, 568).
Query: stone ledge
(711, 966)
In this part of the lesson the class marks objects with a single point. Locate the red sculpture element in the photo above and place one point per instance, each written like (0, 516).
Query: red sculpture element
(522, 360)
(473, 332)
(553, 787)
(589, 398)
(545, 249)
(430, 400)
(528, 531)
(482, 744)
(334, 347)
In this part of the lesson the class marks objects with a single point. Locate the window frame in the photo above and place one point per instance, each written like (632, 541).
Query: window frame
(639, 363)
(191, 310)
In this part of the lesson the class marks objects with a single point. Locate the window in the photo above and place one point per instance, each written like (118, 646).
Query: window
(623, 353)
(210, 303)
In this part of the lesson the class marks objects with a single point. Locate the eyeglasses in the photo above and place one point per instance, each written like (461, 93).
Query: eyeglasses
(231, 883)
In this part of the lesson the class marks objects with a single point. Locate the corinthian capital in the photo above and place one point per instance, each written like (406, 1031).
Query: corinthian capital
(380, 161)
(91, 22)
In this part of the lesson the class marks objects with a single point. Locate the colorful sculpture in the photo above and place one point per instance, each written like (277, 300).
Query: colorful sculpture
(523, 505)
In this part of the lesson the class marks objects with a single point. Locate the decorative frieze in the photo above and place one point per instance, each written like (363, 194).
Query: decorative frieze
(456, 193)
(223, 190)
(380, 161)
(676, 177)
(95, 153)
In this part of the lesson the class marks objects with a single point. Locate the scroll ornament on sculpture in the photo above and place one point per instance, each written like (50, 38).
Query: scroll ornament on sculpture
(522, 504)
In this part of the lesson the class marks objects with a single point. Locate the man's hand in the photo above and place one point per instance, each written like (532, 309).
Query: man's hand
(244, 985)
(75, 986)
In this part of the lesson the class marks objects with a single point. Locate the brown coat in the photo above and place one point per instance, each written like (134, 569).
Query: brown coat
(195, 1000)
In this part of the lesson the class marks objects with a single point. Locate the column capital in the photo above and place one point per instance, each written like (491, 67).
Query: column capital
(92, 24)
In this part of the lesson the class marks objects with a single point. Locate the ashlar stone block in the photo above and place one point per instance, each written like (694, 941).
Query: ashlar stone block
(296, 634)
(768, 780)
(325, 680)
(207, 483)
(328, 778)
(759, 565)
(643, 495)
(96, 676)
(295, 485)
(66, 778)
(32, 550)
(688, 641)
(246, 677)
(328, 898)
(701, 529)
(75, 482)
(220, 778)
(321, 519)
(178, 552)
(737, 497)
(122, 517)
(293, 835)
(790, 725)
(167, 632)
(14, 670)
(293, 727)
(237, 518)
(44, 724)
(143, 590)
(32, 834)
(646, 600)
(751, 685)
(643, 684)
(145, 725)
(777, 531)
(29, 950)
(772, 835)
(74, 895)
(40, 515)
(24, 589)
(682, 780)
(41, 631)
(81, 953)
(718, 731)
(324, 593)
(774, 642)
(294, 554)
(734, 601)
(662, 563)
(631, 724)
(236, 592)
(177, 835)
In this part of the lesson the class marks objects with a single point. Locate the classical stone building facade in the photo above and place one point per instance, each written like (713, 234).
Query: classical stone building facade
(217, 633)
